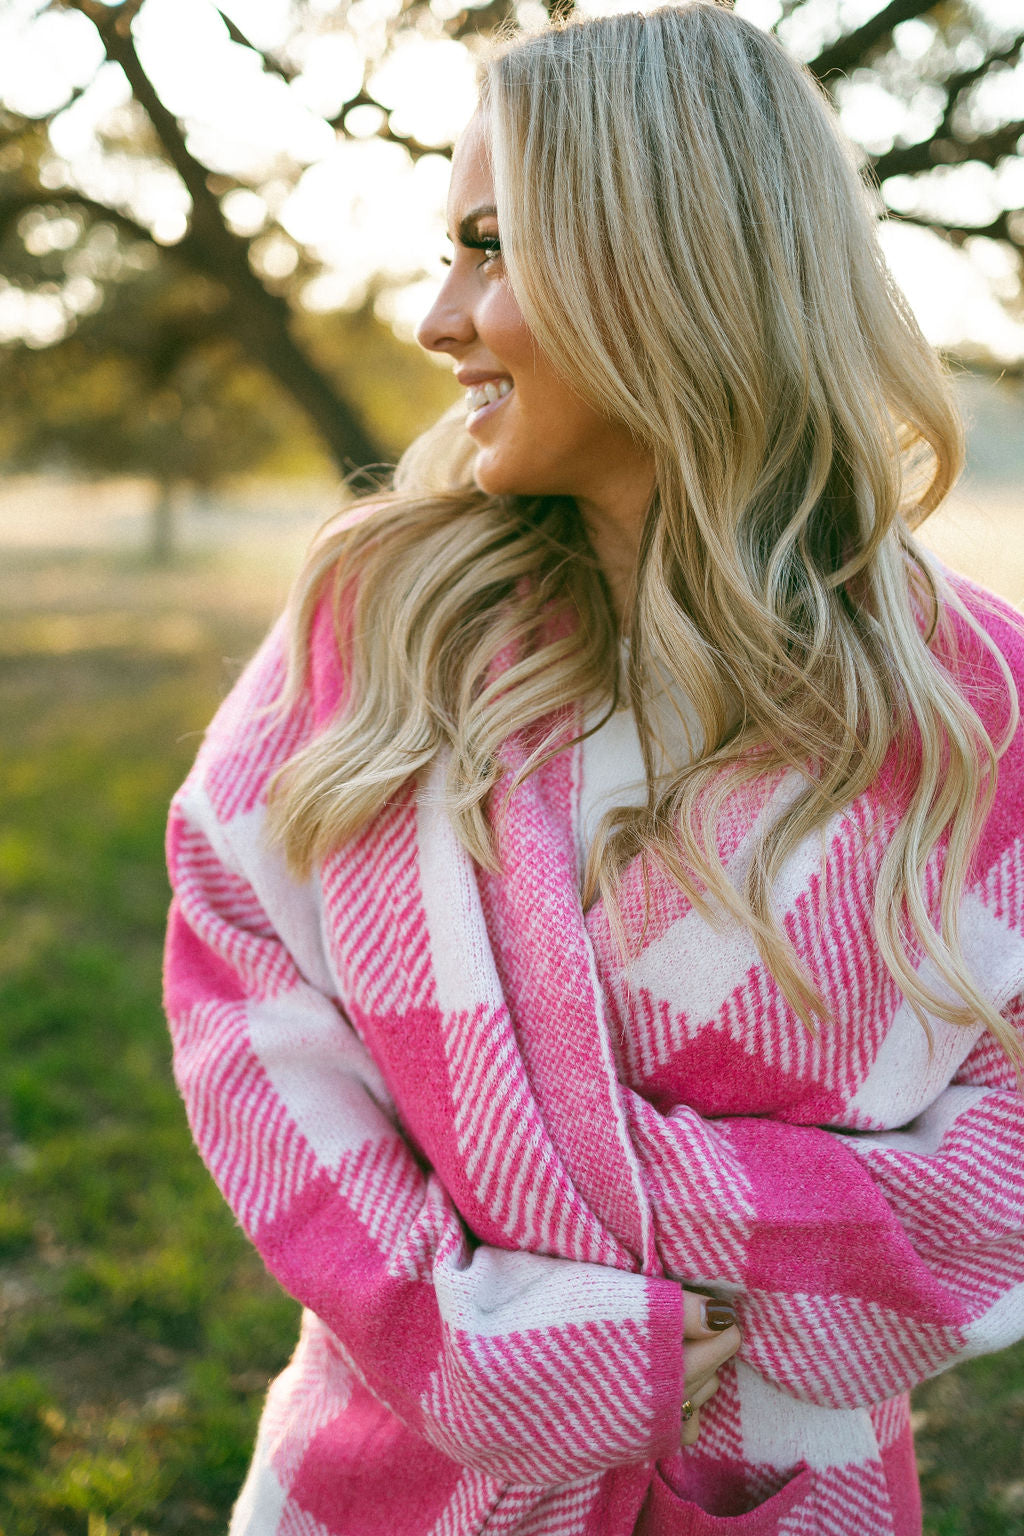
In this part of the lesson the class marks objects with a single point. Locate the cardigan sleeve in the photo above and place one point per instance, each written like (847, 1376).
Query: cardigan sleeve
(530, 1368)
(865, 1261)
(860, 1263)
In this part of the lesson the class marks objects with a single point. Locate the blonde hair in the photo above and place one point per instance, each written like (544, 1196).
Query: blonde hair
(684, 189)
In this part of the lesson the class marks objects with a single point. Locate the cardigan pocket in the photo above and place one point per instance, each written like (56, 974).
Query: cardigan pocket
(665, 1513)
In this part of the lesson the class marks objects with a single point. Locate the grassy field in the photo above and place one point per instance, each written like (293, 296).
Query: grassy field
(137, 1329)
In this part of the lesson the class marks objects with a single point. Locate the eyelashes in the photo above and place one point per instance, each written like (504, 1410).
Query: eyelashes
(490, 245)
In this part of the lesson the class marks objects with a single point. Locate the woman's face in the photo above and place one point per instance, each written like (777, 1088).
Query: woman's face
(539, 436)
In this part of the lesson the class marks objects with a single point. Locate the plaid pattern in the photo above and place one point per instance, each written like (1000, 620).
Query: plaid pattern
(483, 1158)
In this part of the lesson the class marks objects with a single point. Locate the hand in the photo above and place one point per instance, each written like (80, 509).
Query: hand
(712, 1338)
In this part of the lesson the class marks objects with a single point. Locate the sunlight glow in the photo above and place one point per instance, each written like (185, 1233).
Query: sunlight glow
(436, 114)
(42, 61)
(375, 218)
(947, 291)
(338, 213)
(332, 72)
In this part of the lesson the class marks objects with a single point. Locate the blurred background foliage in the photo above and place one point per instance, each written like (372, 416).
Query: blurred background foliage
(143, 262)
(217, 227)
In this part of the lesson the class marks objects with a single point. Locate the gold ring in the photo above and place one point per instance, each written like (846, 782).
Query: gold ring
(688, 1410)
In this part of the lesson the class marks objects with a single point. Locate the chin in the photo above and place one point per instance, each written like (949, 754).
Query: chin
(496, 478)
(490, 478)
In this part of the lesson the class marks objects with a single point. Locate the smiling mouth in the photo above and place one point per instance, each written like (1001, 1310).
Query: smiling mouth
(479, 406)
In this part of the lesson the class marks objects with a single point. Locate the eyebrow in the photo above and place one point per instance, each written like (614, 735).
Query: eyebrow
(468, 222)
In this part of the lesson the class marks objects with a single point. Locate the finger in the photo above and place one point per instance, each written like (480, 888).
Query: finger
(703, 1357)
(691, 1429)
(704, 1316)
(691, 1424)
(706, 1392)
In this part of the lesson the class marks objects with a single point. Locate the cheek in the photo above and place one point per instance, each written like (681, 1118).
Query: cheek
(550, 422)
(506, 333)
(559, 421)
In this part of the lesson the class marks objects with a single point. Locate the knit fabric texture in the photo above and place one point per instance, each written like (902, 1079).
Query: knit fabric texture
(484, 1158)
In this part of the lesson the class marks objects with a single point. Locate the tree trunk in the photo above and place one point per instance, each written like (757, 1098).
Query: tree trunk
(261, 321)
(163, 540)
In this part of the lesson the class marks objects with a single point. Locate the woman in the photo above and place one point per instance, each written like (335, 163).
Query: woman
(598, 907)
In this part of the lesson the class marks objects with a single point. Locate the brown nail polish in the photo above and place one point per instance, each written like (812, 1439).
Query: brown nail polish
(719, 1315)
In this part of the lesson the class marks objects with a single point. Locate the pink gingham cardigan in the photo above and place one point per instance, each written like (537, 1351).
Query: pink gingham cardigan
(484, 1165)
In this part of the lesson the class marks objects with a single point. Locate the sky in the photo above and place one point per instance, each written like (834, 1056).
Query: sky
(362, 207)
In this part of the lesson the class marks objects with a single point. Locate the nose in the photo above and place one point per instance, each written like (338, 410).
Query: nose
(448, 324)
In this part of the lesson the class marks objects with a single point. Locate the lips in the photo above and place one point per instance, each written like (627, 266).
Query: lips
(485, 400)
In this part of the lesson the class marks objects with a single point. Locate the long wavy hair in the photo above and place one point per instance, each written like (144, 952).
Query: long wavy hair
(685, 228)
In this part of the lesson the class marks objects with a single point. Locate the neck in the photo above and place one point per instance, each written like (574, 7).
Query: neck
(614, 525)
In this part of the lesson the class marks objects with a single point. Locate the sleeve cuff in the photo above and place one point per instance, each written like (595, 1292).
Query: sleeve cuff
(665, 1328)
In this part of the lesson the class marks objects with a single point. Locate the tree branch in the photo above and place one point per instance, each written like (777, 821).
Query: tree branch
(957, 84)
(480, 19)
(12, 207)
(20, 124)
(788, 7)
(988, 148)
(849, 50)
(999, 229)
(415, 148)
(262, 320)
(270, 64)
(119, 16)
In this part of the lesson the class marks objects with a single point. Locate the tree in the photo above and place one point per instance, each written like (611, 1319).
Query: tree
(150, 383)
(933, 80)
(946, 81)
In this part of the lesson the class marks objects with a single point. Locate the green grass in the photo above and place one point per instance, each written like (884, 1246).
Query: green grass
(137, 1328)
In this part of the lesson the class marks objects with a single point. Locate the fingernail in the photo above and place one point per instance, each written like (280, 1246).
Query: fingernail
(719, 1316)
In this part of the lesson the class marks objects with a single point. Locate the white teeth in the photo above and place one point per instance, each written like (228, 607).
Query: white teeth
(480, 395)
